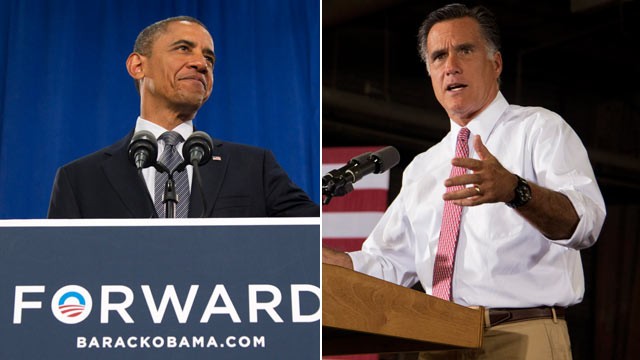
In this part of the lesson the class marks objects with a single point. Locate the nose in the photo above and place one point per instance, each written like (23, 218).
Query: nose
(199, 64)
(452, 66)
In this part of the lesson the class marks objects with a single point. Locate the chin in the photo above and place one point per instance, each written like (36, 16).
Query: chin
(192, 98)
(458, 112)
(456, 108)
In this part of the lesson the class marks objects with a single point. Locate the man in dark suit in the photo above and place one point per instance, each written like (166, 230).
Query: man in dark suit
(172, 66)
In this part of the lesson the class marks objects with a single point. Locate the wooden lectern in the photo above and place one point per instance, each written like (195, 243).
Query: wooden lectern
(362, 314)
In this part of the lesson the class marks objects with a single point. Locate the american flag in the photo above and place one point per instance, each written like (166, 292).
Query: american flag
(348, 220)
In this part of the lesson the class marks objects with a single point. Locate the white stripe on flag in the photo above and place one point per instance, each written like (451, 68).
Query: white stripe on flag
(349, 224)
(373, 181)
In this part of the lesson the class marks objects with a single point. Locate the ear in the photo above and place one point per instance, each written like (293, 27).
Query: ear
(135, 66)
(497, 63)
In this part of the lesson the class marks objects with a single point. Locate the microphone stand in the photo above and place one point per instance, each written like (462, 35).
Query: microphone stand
(339, 182)
(335, 184)
(143, 151)
(332, 189)
(170, 199)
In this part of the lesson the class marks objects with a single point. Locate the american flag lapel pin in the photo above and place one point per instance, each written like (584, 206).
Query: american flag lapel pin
(216, 158)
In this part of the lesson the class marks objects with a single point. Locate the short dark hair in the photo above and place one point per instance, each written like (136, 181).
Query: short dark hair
(146, 38)
(481, 14)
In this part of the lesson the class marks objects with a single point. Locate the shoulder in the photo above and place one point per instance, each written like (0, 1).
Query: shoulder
(94, 159)
(243, 156)
(538, 129)
(534, 123)
(532, 116)
(244, 152)
(233, 147)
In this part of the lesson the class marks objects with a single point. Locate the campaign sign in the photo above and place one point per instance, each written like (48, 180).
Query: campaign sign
(160, 289)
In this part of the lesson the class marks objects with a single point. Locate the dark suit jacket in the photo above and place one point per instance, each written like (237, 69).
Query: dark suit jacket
(246, 181)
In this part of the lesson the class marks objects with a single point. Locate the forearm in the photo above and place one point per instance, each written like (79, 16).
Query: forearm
(333, 257)
(550, 212)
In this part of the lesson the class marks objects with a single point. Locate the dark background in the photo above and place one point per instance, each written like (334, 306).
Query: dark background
(577, 58)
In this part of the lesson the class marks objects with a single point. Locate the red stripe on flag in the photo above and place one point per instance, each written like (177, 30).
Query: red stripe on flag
(359, 200)
(339, 155)
(343, 244)
(352, 357)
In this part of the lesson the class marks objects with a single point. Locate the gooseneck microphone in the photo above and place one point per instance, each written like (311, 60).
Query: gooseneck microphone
(334, 184)
(143, 149)
(196, 151)
(339, 182)
(143, 152)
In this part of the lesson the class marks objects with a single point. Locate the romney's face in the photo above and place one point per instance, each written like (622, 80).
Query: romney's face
(464, 74)
(179, 71)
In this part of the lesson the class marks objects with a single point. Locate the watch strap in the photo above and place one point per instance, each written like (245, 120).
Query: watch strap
(522, 194)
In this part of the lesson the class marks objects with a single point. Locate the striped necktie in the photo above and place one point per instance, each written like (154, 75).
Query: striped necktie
(171, 159)
(448, 241)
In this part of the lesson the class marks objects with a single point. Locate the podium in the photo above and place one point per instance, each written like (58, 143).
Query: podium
(160, 289)
(362, 314)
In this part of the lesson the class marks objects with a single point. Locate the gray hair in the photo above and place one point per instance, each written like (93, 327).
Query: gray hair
(482, 15)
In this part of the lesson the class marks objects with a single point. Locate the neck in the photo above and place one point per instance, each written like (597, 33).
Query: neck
(167, 118)
(463, 119)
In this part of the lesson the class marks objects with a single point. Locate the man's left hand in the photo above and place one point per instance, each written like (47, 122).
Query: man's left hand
(489, 181)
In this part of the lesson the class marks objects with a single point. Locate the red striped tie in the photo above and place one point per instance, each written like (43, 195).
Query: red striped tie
(445, 256)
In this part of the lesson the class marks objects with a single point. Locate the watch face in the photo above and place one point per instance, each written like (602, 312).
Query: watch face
(522, 194)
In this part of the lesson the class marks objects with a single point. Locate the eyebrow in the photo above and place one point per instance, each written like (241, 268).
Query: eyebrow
(437, 53)
(458, 47)
(205, 51)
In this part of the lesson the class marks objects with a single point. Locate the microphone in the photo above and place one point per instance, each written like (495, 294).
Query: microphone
(143, 149)
(333, 177)
(339, 182)
(197, 152)
(197, 148)
(377, 163)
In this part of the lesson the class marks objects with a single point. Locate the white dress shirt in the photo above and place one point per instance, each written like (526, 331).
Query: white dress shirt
(185, 129)
(501, 260)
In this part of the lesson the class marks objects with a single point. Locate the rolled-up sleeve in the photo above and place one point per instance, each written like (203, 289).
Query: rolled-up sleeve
(562, 164)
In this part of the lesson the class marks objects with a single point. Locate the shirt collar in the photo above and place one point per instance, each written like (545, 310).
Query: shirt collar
(484, 123)
(185, 129)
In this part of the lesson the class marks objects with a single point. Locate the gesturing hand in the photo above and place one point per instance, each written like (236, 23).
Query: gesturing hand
(489, 181)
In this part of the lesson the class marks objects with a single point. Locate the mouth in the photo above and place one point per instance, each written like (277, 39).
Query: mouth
(456, 87)
(196, 79)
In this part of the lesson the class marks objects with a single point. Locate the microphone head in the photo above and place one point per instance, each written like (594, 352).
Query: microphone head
(143, 149)
(385, 159)
(198, 148)
(360, 158)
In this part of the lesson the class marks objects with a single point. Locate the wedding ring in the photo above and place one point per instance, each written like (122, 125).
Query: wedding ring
(477, 189)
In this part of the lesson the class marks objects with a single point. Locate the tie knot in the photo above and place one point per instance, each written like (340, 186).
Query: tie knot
(462, 147)
(463, 135)
(171, 138)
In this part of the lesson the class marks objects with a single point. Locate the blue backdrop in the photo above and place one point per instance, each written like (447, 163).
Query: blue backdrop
(65, 92)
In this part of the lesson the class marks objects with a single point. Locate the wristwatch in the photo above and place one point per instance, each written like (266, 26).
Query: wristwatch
(522, 194)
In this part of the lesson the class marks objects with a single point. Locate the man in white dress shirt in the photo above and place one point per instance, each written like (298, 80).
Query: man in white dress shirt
(529, 199)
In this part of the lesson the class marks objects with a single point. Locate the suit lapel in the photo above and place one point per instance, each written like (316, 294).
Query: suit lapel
(123, 176)
(212, 173)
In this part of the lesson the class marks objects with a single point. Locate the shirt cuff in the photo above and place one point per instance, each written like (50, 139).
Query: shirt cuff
(590, 221)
